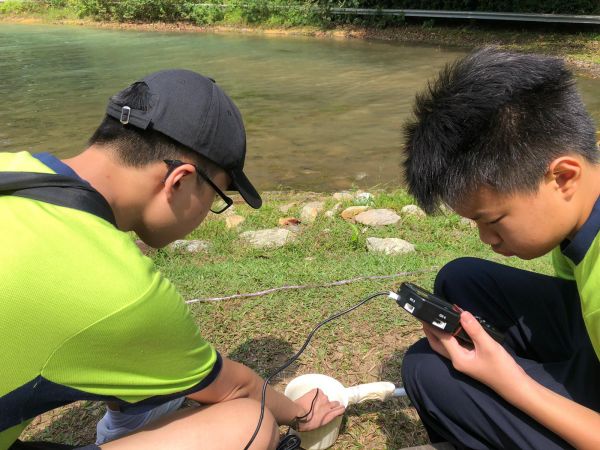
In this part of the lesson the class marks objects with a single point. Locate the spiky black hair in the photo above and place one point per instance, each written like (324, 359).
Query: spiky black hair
(493, 119)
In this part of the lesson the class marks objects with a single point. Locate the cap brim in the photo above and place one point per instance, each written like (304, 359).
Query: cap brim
(241, 183)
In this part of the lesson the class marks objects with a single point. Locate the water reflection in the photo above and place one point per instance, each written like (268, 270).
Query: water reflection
(320, 114)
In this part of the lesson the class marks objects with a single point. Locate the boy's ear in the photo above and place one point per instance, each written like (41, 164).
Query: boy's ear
(172, 183)
(566, 172)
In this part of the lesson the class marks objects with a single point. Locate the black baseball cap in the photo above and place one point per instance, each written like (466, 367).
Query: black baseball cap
(194, 111)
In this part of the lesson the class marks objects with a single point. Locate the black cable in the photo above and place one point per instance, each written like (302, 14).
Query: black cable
(297, 355)
(289, 442)
(312, 405)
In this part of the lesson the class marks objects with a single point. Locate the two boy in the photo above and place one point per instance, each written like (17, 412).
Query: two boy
(504, 139)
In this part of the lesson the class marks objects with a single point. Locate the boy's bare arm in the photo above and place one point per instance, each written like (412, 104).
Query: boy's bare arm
(239, 381)
(492, 365)
(573, 422)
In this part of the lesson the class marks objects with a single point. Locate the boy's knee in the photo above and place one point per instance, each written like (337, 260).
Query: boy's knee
(456, 272)
(432, 384)
(248, 412)
(417, 363)
(426, 375)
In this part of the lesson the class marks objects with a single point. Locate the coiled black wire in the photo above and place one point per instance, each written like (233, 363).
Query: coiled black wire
(297, 355)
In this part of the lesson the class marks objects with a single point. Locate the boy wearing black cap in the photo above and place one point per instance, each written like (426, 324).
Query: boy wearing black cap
(88, 317)
(505, 140)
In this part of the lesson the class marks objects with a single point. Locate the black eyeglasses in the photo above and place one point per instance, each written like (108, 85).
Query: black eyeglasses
(221, 202)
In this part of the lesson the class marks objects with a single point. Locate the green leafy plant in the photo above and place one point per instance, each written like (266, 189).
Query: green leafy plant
(207, 13)
(355, 239)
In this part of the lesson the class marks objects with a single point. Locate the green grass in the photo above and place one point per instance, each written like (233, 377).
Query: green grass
(366, 345)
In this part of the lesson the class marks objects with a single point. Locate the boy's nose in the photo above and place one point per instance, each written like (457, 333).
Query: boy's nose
(488, 236)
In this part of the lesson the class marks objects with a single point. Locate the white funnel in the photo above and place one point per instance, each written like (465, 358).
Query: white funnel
(326, 436)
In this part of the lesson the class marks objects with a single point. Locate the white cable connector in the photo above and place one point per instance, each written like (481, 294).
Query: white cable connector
(393, 296)
(399, 392)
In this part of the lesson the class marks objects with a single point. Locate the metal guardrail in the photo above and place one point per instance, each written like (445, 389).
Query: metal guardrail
(518, 17)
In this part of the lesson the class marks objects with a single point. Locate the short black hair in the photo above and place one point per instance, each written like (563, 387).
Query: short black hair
(495, 119)
(136, 147)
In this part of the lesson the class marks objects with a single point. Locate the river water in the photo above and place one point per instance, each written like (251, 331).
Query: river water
(321, 114)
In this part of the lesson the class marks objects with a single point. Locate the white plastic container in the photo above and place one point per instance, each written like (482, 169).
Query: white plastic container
(326, 436)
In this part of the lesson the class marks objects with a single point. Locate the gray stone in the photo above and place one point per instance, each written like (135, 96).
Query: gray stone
(286, 208)
(389, 246)
(412, 210)
(378, 217)
(333, 211)
(343, 195)
(193, 246)
(364, 198)
(310, 211)
(270, 238)
(293, 228)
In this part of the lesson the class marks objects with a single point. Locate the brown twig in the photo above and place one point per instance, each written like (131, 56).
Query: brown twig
(310, 286)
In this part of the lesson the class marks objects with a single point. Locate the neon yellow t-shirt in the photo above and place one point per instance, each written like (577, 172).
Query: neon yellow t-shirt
(579, 260)
(84, 315)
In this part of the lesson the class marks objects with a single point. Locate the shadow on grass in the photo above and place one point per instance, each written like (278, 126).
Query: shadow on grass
(74, 424)
(400, 423)
(264, 355)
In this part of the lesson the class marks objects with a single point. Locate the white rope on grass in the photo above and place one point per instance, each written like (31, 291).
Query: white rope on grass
(311, 286)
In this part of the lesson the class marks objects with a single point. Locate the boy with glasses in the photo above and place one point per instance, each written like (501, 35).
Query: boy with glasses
(84, 315)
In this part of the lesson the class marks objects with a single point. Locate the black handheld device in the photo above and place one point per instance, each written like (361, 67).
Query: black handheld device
(438, 312)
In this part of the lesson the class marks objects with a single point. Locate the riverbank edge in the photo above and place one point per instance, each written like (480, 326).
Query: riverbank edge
(580, 50)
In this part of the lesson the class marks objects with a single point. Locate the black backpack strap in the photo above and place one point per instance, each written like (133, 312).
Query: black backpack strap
(58, 190)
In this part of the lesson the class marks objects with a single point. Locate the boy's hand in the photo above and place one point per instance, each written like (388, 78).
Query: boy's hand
(318, 409)
(487, 362)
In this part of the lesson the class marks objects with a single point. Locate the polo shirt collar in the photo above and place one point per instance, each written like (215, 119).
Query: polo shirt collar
(57, 165)
(576, 248)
